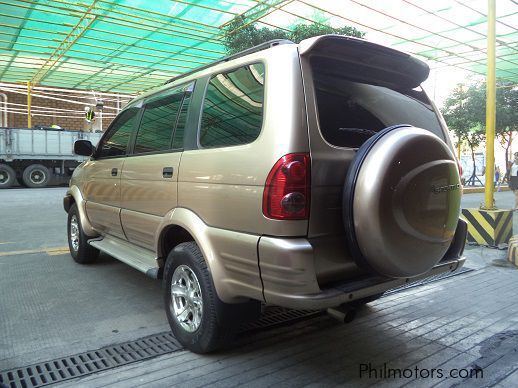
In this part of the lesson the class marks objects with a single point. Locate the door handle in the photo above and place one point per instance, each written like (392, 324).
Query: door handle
(167, 172)
(114, 172)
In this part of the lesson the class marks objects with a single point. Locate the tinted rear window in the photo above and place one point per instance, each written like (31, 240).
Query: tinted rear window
(350, 112)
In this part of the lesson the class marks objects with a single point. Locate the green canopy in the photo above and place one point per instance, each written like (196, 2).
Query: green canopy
(132, 45)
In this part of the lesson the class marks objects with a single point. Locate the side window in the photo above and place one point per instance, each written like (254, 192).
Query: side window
(156, 127)
(115, 143)
(233, 107)
(158, 123)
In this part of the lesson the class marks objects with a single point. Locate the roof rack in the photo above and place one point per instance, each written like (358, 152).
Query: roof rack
(259, 47)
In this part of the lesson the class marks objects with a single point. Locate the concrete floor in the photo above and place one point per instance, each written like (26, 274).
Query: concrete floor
(52, 307)
(49, 305)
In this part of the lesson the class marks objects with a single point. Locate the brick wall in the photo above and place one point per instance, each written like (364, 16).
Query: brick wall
(48, 119)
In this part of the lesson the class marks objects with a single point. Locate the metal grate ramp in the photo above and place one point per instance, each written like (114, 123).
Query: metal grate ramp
(71, 367)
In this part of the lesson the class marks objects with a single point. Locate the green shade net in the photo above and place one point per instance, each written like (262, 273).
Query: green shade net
(129, 46)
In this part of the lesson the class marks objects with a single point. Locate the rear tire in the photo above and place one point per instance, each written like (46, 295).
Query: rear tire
(81, 251)
(197, 317)
(7, 176)
(36, 175)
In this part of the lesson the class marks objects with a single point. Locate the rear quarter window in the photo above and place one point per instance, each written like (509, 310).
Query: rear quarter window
(233, 107)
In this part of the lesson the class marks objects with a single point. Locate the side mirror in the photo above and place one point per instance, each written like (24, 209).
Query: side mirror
(84, 148)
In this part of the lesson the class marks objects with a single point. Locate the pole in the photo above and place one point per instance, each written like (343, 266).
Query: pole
(29, 99)
(490, 104)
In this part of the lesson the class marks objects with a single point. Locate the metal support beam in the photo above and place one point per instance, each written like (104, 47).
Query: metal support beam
(490, 103)
(85, 21)
(29, 101)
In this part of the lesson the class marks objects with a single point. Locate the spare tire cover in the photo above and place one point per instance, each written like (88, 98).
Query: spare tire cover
(401, 201)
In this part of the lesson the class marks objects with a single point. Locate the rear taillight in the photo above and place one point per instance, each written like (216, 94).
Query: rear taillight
(287, 189)
(460, 168)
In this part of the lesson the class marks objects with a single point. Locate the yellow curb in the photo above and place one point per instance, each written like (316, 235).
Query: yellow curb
(58, 251)
(50, 251)
(469, 190)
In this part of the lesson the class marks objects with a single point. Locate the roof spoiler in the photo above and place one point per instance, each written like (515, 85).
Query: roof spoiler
(364, 60)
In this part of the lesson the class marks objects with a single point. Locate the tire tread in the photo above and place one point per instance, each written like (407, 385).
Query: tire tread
(212, 335)
(86, 253)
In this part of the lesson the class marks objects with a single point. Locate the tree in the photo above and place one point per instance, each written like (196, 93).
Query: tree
(506, 112)
(506, 119)
(465, 113)
(459, 114)
(238, 35)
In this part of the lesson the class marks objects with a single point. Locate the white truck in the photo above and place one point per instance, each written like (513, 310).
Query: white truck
(32, 156)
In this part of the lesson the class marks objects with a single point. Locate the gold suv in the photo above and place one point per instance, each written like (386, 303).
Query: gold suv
(306, 176)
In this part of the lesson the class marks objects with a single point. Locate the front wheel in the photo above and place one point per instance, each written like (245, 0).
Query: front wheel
(192, 306)
(81, 251)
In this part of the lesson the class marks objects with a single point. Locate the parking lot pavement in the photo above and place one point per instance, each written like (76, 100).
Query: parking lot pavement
(50, 307)
(32, 219)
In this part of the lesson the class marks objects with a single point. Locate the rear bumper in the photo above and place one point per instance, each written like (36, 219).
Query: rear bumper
(290, 280)
(352, 290)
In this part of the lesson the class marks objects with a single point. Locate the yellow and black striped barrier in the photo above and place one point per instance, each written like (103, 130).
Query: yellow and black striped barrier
(489, 227)
(512, 251)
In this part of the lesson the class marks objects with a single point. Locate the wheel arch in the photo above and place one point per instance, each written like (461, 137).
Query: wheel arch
(181, 225)
(170, 237)
(73, 195)
(230, 283)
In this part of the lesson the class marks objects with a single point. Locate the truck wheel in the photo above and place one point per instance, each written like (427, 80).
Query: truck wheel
(81, 251)
(36, 175)
(191, 303)
(7, 176)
